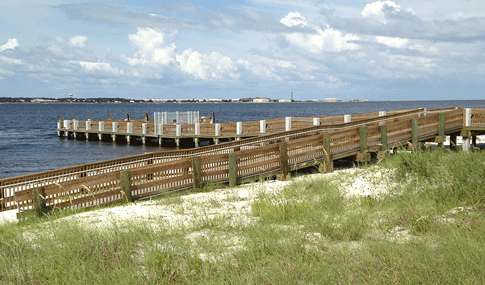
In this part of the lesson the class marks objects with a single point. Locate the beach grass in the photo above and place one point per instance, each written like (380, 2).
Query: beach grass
(427, 227)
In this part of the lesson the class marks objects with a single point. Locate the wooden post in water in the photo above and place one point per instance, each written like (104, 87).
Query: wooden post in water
(328, 165)
(196, 172)
(38, 199)
(363, 144)
(232, 169)
(283, 160)
(125, 179)
(441, 128)
(415, 135)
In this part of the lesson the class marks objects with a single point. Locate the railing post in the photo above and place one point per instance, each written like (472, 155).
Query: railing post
(144, 128)
(178, 130)
(196, 172)
(384, 137)
(262, 126)
(232, 169)
(415, 135)
(468, 117)
(88, 125)
(75, 124)
(101, 126)
(217, 130)
(288, 124)
(383, 152)
(382, 114)
(115, 127)
(363, 144)
(316, 121)
(38, 199)
(328, 167)
(239, 128)
(283, 160)
(441, 128)
(125, 179)
(197, 129)
(67, 124)
(468, 123)
(114, 130)
(347, 119)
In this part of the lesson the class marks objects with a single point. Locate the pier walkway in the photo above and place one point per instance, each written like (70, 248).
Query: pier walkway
(265, 155)
(191, 132)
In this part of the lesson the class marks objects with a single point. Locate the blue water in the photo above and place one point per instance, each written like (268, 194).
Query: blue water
(29, 142)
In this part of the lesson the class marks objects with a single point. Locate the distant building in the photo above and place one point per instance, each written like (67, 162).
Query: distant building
(315, 100)
(285, 101)
(330, 100)
(214, 100)
(43, 101)
(261, 100)
(236, 100)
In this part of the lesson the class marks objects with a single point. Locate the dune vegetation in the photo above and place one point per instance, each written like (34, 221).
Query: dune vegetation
(414, 218)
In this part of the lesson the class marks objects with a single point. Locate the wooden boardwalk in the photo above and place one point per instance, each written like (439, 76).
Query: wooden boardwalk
(195, 134)
(277, 153)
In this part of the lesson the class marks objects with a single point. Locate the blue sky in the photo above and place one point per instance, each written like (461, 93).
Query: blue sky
(382, 50)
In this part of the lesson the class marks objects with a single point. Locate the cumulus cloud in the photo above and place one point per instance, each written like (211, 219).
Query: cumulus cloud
(155, 54)
(151, 48)
(393, 42)
(377, 10)
(324, 39)
(78, 41)
(11, 44)
(213, 66)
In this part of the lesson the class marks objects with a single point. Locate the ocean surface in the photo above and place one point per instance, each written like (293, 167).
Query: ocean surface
(29, 142)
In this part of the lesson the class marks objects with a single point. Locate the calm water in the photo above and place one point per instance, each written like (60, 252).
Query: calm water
(29, 142)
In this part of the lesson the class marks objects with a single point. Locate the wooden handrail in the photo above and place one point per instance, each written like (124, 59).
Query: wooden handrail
(163, 171)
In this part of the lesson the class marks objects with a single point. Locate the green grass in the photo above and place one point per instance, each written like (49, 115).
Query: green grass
(308, 233)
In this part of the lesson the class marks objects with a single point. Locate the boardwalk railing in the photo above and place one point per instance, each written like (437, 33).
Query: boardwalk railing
(101, 183)
(156, 127)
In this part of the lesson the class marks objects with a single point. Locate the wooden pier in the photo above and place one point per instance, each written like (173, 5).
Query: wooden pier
(270, 154)
(193, 134)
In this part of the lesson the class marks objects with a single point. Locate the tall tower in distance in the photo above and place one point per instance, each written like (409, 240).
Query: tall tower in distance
(291, 96)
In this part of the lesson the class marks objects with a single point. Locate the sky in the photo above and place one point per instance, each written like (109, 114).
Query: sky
(346, 49)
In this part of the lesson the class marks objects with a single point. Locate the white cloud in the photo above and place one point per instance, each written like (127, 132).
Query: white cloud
(10, 60)
(103, 67)
(321, 40)
(11, 44)
(78, 41)
(332, 82)
(151, 48)
(214, 66)
(393, 42)
(375, 10)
